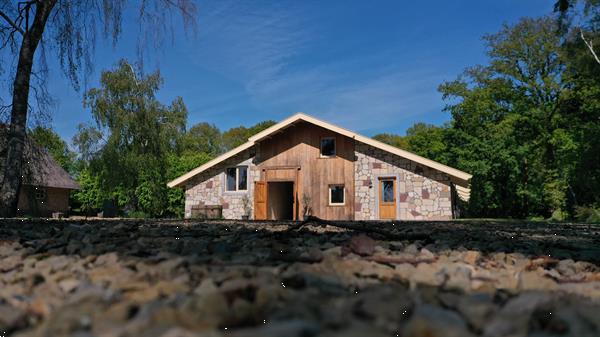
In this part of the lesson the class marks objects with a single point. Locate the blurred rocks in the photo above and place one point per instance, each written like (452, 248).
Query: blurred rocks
(185, 278)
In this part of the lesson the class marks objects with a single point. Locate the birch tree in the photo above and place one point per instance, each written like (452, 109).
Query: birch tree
(32, 31)
(584, 17)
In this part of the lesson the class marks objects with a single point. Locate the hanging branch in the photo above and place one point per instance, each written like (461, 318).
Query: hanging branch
(11, 23)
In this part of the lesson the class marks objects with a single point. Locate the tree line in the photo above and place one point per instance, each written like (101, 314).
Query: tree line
(526, 124)
(135, 146)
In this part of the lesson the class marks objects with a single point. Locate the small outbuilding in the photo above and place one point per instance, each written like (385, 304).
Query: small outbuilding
(305, 166)
(46, 186)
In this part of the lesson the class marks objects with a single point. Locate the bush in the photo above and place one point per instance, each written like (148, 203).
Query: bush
(587, 214)
(137, 215)
(559, 215)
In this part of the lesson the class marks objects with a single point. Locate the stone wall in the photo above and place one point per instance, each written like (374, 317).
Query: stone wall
(423, 193)
(208, 188)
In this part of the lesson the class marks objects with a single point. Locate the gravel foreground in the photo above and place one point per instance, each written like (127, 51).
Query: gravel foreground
(224, 278)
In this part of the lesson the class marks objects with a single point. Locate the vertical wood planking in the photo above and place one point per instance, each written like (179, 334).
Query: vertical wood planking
(299, 146)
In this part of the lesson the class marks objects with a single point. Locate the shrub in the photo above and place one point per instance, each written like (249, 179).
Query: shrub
(587, 214)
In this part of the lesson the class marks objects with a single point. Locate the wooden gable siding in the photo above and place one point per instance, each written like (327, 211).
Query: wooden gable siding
(298, 146)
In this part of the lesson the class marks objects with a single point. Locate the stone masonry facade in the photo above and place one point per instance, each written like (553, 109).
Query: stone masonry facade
(208, 188)
(423, 193)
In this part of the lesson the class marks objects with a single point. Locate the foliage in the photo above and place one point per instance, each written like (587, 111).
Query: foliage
(177, 166)
(235, 137)
(56, 146)
(525, 125)
(138, 145)
(588, 214)
(392, 139)
(89, 197)
(203, 137)
(68, 29)
(426, 140)
(508, 114)
(71, 32)
(139, 132)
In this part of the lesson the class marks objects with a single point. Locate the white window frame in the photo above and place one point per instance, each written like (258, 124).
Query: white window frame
(321, 147)
(343, 195)
(237, 178)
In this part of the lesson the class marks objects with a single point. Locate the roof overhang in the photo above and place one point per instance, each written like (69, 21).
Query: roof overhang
(460, 178)
(181, 180)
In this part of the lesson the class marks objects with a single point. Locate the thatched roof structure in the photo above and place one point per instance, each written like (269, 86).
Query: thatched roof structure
(39, 169)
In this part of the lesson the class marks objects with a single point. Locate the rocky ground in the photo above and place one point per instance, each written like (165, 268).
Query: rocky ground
(175, 278)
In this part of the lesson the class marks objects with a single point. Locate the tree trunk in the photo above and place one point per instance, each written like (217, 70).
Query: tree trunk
(11, 184)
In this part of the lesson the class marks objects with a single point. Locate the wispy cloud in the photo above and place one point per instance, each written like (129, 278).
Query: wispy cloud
(263, 47)
(250, 41)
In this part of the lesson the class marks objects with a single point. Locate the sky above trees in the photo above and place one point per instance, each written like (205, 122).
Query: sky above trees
(250, 62)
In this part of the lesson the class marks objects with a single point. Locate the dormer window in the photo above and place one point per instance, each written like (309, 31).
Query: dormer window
(328, 147)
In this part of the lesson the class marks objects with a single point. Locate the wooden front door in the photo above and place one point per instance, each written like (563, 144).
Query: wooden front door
(387, 198)
(260, 200)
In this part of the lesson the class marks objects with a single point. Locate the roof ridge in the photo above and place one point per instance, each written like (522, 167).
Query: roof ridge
(461, 175)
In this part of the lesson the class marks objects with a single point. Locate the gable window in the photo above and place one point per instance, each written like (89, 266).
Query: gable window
(236, 178)
(328, 147)
(337, 195)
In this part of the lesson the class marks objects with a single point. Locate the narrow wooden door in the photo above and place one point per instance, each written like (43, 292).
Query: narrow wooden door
(387, 198)
(260, 200)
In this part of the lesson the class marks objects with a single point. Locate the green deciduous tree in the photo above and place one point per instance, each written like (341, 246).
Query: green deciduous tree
(582, 18)
(518, 125)
(137, 133)
(56, 146)
(90, 196)
(177, 166)
(393, 140)
(237, 136)
(426, 140)
(203, 137)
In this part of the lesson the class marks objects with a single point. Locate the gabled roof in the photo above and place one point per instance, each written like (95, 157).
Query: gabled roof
(461, 178)
(45, 171)
(39, 168)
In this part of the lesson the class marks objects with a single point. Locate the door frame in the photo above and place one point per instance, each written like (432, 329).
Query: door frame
(379, 177)
(295, 181)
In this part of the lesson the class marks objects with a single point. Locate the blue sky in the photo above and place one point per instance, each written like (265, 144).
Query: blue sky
(370, 66)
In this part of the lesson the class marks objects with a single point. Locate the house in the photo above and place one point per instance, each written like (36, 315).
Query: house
(46, 186)
(305, 165)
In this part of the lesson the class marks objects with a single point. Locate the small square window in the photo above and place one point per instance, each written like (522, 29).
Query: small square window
(328, 147)
(40, 194)
(336, 195)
